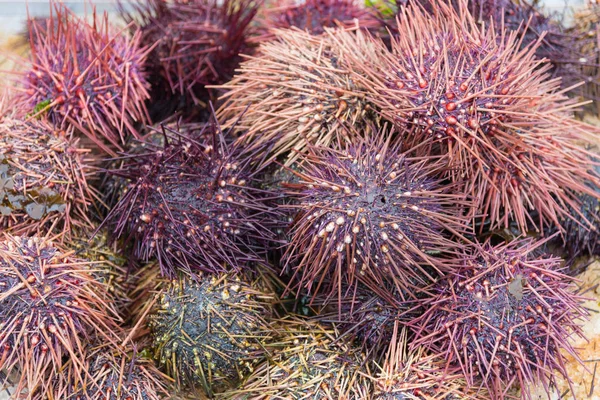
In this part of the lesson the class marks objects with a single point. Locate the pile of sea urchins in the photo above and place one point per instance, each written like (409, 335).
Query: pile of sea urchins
(233, 199)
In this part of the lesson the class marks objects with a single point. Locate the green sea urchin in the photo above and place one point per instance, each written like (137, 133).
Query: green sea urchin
(209, 331)
(43, 179)
(305, 361)
(506, 318)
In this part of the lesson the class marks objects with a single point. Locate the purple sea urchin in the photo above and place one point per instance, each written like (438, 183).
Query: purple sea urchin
(305, 361)
(365, 317)
(506, 318)
(192, 204)
(294, 93)
(210, 331)
(111, 374)
(485, 103)
(373, 214)
(315, 15)
(43, 179)
(89, 76)
(195, 43)
(50, 303)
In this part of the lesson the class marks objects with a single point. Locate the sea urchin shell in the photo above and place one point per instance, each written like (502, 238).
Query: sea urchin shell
(507, 318)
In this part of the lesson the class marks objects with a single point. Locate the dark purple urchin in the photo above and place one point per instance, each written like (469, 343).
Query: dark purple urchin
(365, 317)
(506, 318)
(580, 238)
(191, 203)
(370, 213)
(316, 15)
(50, 304)
(89, 76)
(195, 42)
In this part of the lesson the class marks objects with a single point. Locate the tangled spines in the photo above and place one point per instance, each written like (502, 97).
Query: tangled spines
(485, 103)
(112, 374)
(505, 319)
(191, 203)
(43, 179)
(305, 361)
(86, 75)
(50, 304)
(194, 43)
(314, 16)
(414, 375)
(370, 213)
(211, 332)
(295, 92)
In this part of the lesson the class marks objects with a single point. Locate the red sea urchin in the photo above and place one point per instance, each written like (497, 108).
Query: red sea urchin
(295, 92)
(485, 103)
(89, 76)
(506, 318)
(314, 16)
(50, 303)
(195, 42)
(370, 213)
(191, 203)
(43, 179)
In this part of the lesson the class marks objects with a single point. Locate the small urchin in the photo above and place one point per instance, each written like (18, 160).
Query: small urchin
(306, 361)
(43, 179)
(86, 75)
(370, 213)
(191, 202)
(487, 104)
(364, 317)
(505, 319)
(209, 331)
(50, 305)
(194, 43)
(293, 93)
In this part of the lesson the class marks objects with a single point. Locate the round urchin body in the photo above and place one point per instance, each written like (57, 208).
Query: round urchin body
(314, 16)
(111, 374)
(485, 103)
(195, 43)
(43, 179)
(370, 213)
(305, 361)
(87, 76)
(50, 303)
(506, 318)
(191, 203)
(295, 92)
(210, 332)
(364, 317)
